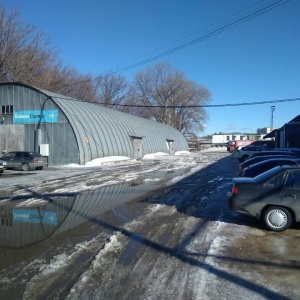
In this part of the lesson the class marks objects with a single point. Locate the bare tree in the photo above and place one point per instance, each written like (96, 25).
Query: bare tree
(111, 90)
(25, 55)
(67, 81)
(165, 94)
(169, 98)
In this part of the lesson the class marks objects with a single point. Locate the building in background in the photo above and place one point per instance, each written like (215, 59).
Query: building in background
(288, 135)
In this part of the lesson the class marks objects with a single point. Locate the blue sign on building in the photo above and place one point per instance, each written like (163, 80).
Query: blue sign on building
(34, 216)
(36, 116)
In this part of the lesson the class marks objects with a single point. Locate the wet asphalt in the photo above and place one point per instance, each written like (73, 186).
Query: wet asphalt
(145, 239)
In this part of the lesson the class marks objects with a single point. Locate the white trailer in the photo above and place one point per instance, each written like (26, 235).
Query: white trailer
(220, 140)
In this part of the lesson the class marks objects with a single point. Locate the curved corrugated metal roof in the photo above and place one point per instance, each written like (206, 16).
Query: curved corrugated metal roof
(102, 132)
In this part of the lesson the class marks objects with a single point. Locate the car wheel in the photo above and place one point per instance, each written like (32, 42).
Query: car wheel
(277, 218)
(25, 167)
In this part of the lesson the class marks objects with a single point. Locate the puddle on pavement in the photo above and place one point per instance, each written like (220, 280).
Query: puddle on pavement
(27, 219)
(30, 222)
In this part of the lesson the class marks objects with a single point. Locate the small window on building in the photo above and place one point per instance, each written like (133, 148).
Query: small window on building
(242, 137)
(228, 138)
(7, 109)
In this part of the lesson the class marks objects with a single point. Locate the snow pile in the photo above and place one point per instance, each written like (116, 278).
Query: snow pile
(100, 161)
(155, 155)
(113, 159)
(183, 153)
(105, 160)
(163, 154)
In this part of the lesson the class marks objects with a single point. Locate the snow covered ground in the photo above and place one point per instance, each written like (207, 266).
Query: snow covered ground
(176, 240)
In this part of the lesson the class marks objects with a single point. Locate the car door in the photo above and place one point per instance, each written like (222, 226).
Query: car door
(18, 160)
(291, 192)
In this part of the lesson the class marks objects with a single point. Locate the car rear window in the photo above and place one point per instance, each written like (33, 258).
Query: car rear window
(37, 154)
(263, 176)
(276, 181)
(34, 154)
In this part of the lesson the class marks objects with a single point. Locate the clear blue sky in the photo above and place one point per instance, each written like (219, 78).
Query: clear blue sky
(258, 60)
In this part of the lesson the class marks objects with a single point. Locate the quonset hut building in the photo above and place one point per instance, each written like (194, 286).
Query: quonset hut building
(68, 130)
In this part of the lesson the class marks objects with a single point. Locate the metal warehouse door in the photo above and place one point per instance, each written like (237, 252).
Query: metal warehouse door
(137, 148)
(171, 147)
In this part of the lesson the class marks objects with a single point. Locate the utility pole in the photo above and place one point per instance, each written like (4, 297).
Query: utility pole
(272, 112)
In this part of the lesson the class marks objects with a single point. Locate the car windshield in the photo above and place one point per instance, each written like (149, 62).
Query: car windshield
(10, 154)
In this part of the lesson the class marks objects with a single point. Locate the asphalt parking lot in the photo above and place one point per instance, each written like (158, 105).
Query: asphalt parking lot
(181, 242)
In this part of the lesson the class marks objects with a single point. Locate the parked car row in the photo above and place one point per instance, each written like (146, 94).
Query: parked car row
(255, 169)
(23, 160)
(267, 187)
(254, 151)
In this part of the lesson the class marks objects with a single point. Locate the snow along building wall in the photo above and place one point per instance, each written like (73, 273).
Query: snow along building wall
(77, 131)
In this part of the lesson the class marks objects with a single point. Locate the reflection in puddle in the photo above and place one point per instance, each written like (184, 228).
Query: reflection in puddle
(25, 222)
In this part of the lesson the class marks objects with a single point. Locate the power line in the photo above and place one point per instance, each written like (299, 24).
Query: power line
(259, 11)
(214, 32)
(185, 38)
(187, 106)
(213, 105)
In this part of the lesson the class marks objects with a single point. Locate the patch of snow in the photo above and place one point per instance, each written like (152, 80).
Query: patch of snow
(183, 153)
(215, 149)
(99, 161)
(155, 155)
(113, 245)
(104, 160)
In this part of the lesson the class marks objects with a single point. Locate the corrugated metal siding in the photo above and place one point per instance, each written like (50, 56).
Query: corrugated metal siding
(60, 136)
(109, 132)
(86, 131)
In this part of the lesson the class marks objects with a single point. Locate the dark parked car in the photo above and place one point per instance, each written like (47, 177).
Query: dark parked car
(265, 165)
(264, 153)
(254, 160)
(294, 150)
(272, 197)
(24, 160)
